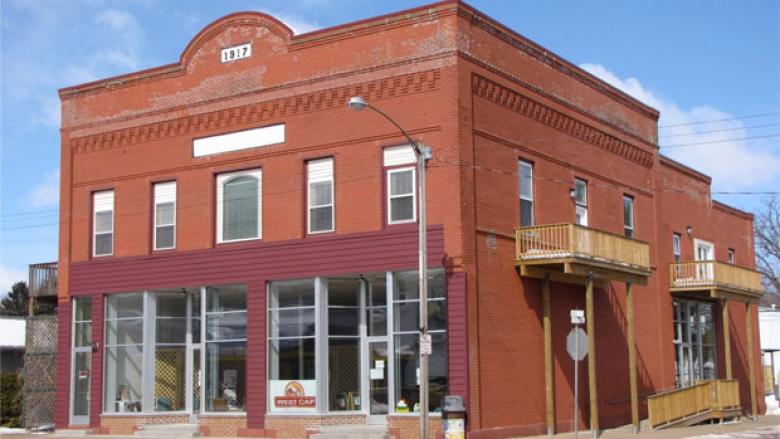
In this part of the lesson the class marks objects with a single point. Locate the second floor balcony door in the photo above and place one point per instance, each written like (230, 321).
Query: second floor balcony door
(704, 252)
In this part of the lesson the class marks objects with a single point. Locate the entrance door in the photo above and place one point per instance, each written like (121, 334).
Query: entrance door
(376, 365)
(81, 360)
(705, 252)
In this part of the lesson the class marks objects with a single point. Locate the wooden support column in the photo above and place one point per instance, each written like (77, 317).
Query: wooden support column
(751, 361)
(590, 324)
(549, 386)
(724, 304)
(30, 306)
(632, 357)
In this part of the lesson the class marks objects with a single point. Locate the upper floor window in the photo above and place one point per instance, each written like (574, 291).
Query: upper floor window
(165, 215)
(526, 182)
(676, 247)
(628, 216)
(103, 223)
(239, 205)
(581, 202)
(731, 256)
(320, 195)
(401, 182)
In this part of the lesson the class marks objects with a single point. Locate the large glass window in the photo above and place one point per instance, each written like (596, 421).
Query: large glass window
(291, 330)
(103, 223)
(406, 299)
(344, 344)
(320, 195)
(695, 344)
(225, 348)
(526, 182)
(239, 203)
(170, 350)
(124, 352)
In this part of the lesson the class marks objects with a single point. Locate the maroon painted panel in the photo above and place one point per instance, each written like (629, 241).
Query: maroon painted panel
(392, 249)
(62, 398)
(456, 335)
(254, 264)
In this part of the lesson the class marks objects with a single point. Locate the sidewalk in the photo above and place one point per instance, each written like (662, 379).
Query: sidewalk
(768, 424)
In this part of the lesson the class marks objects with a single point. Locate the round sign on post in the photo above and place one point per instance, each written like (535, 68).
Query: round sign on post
(577, 344)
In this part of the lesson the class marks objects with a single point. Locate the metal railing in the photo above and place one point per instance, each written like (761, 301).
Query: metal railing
(554, 241)
(43, 279)
(705, 400)
(712, 274)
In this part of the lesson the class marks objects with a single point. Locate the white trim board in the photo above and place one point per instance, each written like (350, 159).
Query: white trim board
(238, 140)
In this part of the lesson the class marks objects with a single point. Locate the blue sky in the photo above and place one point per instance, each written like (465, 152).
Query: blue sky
(694, 60)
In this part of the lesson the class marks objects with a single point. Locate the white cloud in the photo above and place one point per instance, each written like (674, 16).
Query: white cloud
(298, 24)
(8, 277)
(47, 193)
(733, 164)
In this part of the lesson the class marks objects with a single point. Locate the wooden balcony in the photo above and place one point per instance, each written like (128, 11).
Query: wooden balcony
(43, 279)
(717, 279)
(705, 400)
(568, 252)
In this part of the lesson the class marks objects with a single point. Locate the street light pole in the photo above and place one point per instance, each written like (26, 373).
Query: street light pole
(422, 153)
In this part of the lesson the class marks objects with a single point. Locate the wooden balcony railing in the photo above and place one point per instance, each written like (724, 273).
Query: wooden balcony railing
(566, 241)
(714, 275)
(43, 279)
(704, 400)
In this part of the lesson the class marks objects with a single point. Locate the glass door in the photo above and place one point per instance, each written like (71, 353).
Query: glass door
(376, 364)
(705, 252)
(81, 360)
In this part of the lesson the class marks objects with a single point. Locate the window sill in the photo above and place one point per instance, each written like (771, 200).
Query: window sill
(225, 414)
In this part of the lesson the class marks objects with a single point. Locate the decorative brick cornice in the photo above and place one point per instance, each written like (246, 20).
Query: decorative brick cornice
(541, 113)
(256, 113)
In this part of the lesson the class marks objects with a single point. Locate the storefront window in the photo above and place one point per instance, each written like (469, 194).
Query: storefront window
(170, 350)
(695, 343)
(124, 353)
(225, 348)
(406, 302)
(344, 344)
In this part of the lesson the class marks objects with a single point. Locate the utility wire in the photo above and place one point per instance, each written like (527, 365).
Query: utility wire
(680, 145)
(754, 116)
(719, 131)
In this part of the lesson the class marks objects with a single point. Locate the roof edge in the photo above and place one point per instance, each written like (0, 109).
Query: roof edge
(723, 207)
(687, 170)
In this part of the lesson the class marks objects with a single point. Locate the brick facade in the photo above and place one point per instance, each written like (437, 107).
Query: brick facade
(483, 97)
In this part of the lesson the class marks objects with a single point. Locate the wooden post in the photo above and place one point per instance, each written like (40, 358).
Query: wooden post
(751, 362)
(548, 358)
(726, 337)
(632, 357)
(30, 306)
(590, 324)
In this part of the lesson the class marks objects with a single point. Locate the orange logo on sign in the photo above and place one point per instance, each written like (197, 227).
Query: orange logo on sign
(295, 397)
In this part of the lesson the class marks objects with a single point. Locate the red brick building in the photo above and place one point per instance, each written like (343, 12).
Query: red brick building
(238, 249)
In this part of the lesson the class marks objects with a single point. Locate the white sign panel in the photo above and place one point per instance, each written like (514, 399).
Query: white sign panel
(426, 345)
(238, 140)
(234, 53)
(577, 317)
(293, 395)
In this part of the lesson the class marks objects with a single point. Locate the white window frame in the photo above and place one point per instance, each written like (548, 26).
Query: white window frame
(390, 196)
(530, 166)
(98, 206)
(319, 179)
(163, 198)
(581, 208)
(221, 180)
(677, 247)
(631, 226)
(732, 256)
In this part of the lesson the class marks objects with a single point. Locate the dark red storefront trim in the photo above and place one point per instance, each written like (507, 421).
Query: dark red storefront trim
(254, 264)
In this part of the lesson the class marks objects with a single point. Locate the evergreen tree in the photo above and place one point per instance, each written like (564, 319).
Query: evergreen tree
(15, 303)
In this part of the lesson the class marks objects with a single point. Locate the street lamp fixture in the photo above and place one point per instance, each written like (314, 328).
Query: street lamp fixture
(422, 153)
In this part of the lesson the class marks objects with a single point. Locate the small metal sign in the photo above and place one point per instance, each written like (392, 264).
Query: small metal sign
(426, 345)
(577, 344)
(577, 317)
